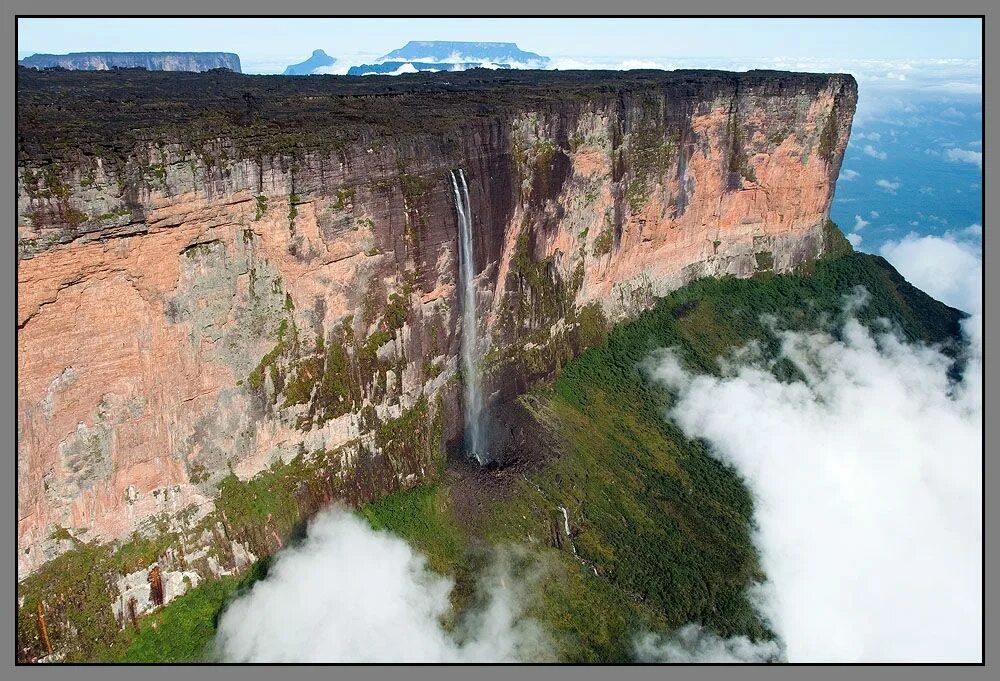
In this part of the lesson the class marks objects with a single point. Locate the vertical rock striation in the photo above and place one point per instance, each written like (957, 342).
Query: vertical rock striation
(265, 276)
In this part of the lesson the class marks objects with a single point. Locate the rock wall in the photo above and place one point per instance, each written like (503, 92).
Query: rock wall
(193, 316)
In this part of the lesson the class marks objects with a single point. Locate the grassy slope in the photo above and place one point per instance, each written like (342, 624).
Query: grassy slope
(666, 526)
(659, 517)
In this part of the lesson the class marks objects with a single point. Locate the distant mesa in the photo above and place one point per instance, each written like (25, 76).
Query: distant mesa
(318, 60)
(456, 51)
(449, 55)
(151, 61)
(395, 67)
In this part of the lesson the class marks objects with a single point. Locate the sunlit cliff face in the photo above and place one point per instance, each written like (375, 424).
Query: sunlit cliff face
(183, 314)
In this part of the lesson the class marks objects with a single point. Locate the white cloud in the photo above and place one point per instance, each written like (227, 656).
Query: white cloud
(849, 175)
(855, 239)
(974, 230)
(867, 485)
(350, 594)
(952, 112)
(408, 67)
(860, 223)
(947, 267)
(888, 186)
(874, 153)
(955, 88)
(336, 69)
(965, 156)
(693, 644)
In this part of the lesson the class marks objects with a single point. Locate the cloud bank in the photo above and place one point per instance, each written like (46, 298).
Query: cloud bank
(693, 644)
(351, 594)
(867, 480)
(948, 267)
(965, 156)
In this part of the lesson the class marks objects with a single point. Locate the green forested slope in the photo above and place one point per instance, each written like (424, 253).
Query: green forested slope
(660, 529)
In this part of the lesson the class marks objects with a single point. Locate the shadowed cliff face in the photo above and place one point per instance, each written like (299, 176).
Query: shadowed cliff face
(236, 281)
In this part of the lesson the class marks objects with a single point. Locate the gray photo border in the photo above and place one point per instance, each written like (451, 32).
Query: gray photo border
(705, 8)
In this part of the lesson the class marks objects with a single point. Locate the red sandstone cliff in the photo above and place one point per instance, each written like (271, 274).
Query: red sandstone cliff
(186, 310)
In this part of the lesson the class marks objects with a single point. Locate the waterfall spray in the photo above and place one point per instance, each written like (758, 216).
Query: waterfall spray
(471, 379)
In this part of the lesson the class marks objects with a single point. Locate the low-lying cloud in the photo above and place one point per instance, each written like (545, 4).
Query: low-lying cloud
(867, 479)
(694, 644)
(352, 594)
(948, 267)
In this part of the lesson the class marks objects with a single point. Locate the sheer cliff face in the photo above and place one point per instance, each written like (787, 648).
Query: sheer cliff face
(187, 313)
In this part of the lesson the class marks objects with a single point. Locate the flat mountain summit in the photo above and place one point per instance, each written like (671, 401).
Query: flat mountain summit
(449, 50)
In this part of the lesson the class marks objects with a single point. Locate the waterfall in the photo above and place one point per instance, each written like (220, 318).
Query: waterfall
(471, 378)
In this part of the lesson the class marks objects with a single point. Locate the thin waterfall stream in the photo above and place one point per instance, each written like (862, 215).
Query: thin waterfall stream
(471, 377)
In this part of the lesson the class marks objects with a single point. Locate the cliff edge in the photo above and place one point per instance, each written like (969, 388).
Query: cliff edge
(220, 273)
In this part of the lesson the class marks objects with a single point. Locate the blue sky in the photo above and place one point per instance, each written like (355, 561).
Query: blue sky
(267, 45)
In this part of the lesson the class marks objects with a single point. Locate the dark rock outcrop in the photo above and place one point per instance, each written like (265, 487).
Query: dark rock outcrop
(394, 66)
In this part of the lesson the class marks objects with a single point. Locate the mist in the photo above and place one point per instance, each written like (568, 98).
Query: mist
(948, 267)
(694, 644)
(866, 474)
(348, 593)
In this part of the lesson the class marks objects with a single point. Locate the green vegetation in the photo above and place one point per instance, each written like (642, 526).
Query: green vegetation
(117, 213)
(74, 216)
(398, 308)
(415, 186)
(183, 631)
(335, 374)
(835, 244)
(200, 249)
(659, 530)
(74, 592)
(828, 137)
(261, 207)
(156, 174)
(661, 519)
(605, 240)
(764, 260)
(423, 517)
(593, 325)
(345, 197)
(739, 163)
(45, 183)
(293, 212)
(69, 114)
(652, 151)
